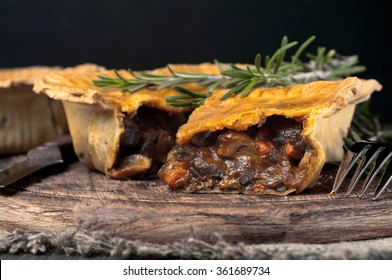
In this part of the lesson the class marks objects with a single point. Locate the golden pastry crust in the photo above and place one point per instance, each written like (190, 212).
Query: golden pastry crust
(96, 116)
(315, 100)
(22, 75)
(324, 109)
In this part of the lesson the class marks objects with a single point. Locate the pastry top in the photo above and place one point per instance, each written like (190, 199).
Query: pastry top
(23, 75)
(307, 102)
(77, 86)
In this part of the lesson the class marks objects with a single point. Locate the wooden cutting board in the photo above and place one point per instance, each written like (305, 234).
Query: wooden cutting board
(74, 198)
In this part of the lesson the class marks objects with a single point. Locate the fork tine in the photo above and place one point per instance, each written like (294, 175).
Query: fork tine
(380, 163)
(343, 170)
(372, 157)
(367, 160)
(385, 179)
(356, 175)
(348, 162)
(369, 178)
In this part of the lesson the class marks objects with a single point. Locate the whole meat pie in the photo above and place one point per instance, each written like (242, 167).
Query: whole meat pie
(26, 119)
(273, 141)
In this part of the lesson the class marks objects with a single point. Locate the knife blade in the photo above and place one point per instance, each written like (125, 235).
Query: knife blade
(50, 153)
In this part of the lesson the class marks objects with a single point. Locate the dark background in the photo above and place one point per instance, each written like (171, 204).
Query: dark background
(150, 34)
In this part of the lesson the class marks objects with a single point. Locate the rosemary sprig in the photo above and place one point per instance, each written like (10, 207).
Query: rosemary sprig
(276, 70)
(146, 79)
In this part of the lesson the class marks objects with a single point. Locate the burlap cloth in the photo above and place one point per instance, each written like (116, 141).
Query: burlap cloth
(94, 244)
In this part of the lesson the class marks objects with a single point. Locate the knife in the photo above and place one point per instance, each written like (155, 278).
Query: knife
(50, 153)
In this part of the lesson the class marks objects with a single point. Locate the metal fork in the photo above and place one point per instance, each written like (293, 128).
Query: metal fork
(374, 157)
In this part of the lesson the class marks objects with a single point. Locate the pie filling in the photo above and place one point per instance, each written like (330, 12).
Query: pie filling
(145, 143)
(263, 159)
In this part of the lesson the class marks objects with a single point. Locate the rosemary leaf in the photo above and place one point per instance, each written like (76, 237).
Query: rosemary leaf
(347, 70)
(278, 53)
(245, 91)
(267, 60)
(239, 87)
(300, 50)
(133, 88)
(185, 103)
(239, 74)
(176, 97)
(232, 83)
(120, 77)
(355, 135)
(281, 55)
(258, 63)
(189, 92)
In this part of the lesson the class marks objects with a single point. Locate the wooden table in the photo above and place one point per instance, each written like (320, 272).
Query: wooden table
(73, 197)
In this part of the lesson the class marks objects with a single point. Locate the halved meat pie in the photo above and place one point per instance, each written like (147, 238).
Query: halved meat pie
(274, 141)
(121, 134)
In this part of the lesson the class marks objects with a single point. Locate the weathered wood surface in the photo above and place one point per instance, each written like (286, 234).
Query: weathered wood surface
(73, 197)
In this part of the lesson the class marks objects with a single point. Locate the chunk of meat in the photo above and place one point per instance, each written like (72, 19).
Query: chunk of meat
(130, 166)
(175, 174)
(230, 143)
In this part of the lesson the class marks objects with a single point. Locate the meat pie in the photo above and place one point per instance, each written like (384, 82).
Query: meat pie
(121, 134)
(26, 119)
(274, 141)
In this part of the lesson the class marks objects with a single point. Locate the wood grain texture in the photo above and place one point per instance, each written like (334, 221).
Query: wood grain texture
(72, 197)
